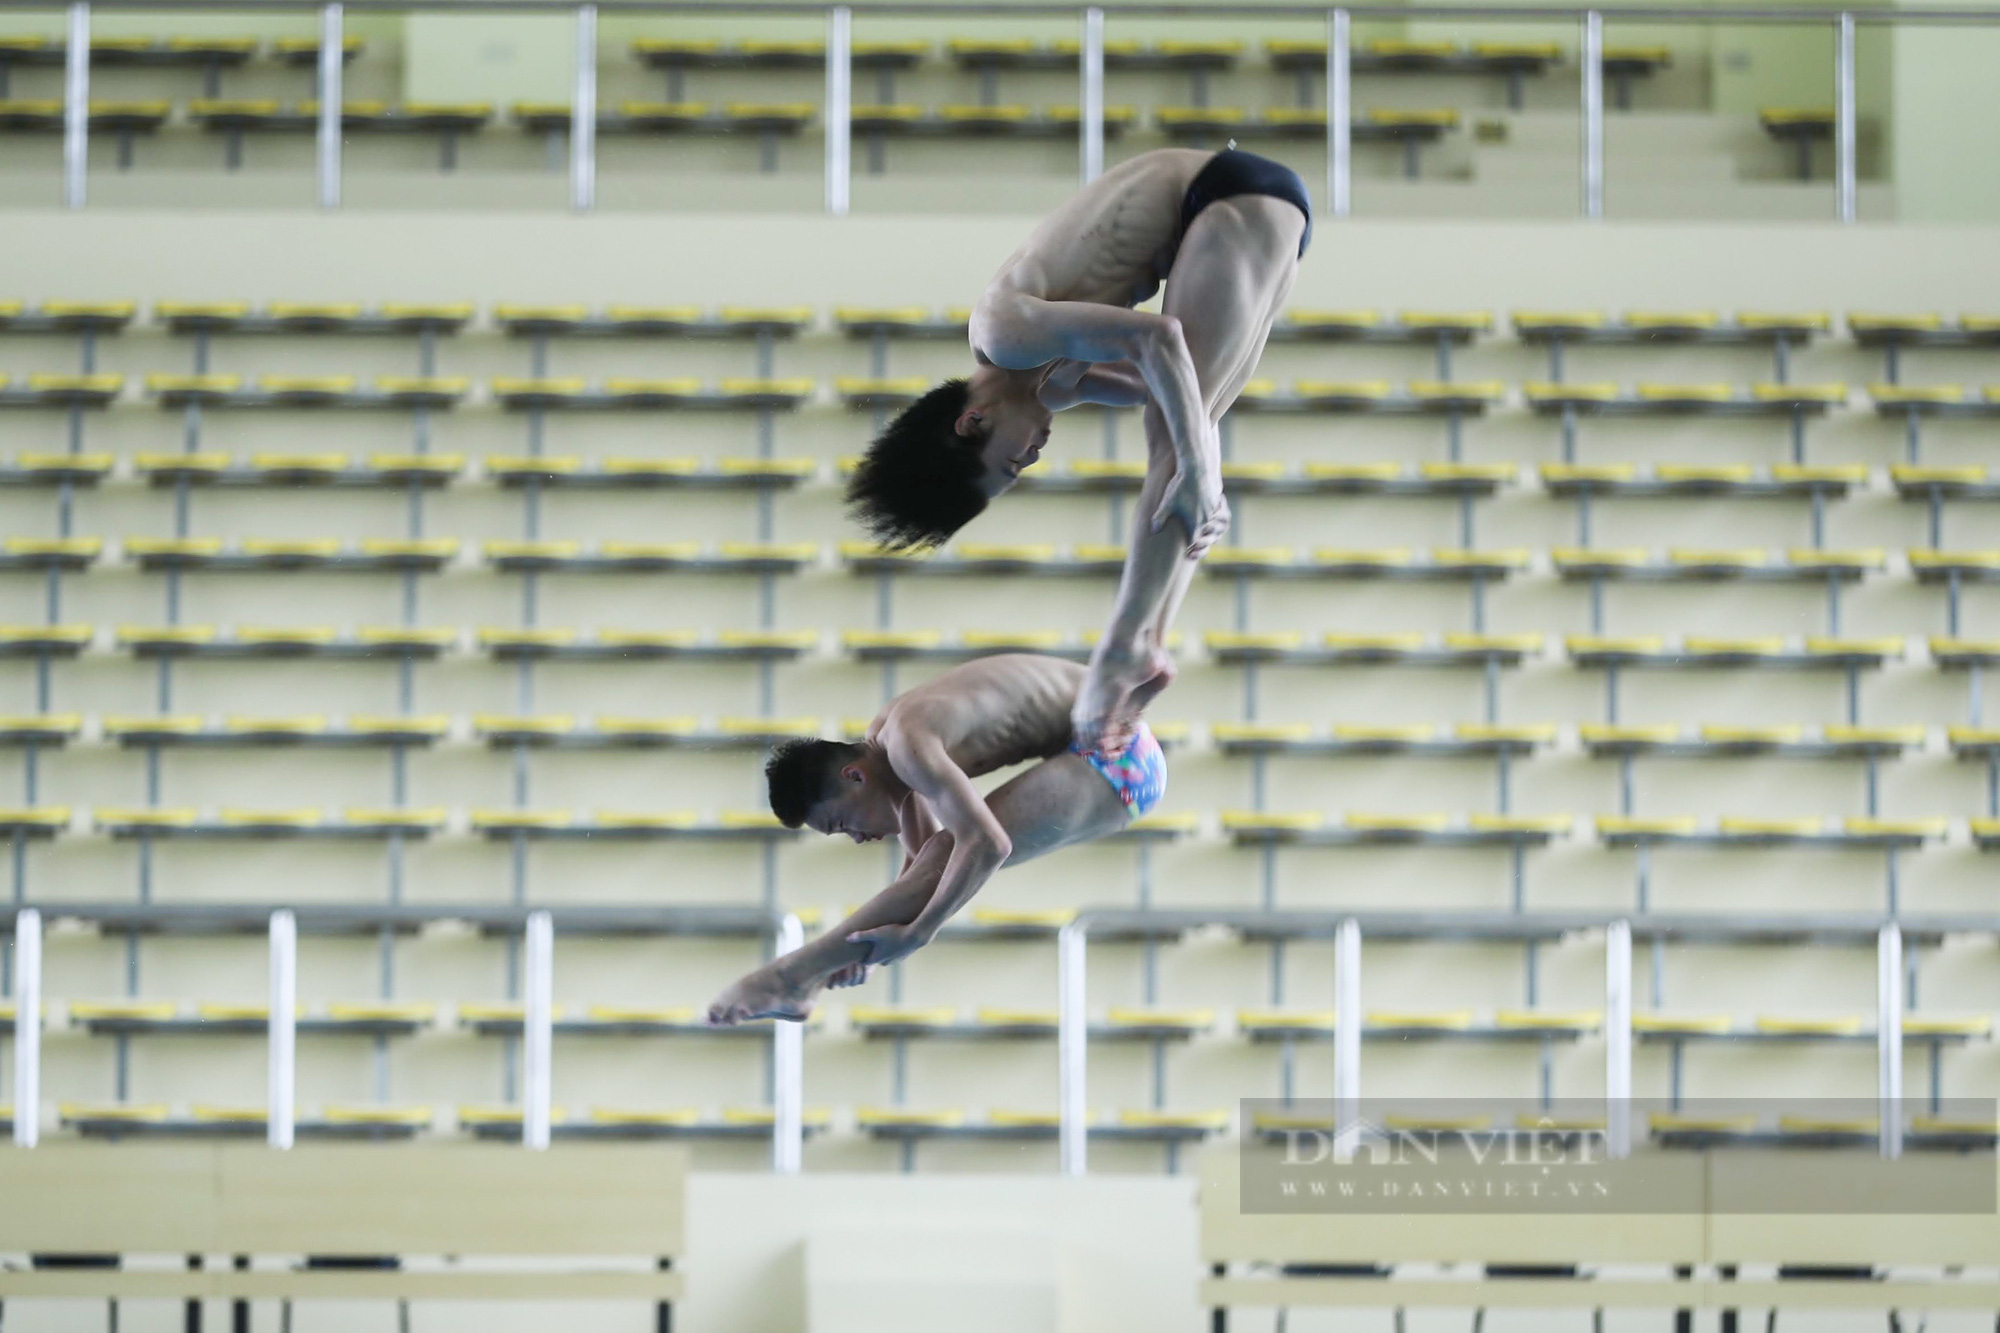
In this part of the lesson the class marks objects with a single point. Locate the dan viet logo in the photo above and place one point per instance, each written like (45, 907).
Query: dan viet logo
(1817, 1157)
(1366, 1142)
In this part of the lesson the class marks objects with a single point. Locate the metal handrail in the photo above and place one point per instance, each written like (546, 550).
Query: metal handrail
(1345, 928)
(1719, 17)
(1090, 132)
(26, 928)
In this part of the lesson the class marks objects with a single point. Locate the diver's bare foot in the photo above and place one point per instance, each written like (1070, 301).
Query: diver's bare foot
(854, 974)
(1103, 717)
(1164, 672)
(1112, 733)
(764, 993)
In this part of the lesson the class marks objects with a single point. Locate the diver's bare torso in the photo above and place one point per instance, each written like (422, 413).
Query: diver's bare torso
(989, 714)
(1112, 243)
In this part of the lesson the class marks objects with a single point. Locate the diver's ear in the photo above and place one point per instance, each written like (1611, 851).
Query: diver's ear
(852, 773)
(969, 423)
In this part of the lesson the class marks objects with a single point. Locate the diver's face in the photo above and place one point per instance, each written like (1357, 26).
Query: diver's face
(858, 809)
(1016, 432)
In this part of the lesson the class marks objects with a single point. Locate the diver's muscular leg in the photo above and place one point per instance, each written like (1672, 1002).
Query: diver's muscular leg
(1228, 283)
(1219, 400)
(1058, 803)
(1133, 652)
(1235, 268)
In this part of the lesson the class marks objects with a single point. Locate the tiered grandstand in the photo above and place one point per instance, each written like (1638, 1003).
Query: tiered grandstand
(419, 567)
(402, 606)
(1450, 118)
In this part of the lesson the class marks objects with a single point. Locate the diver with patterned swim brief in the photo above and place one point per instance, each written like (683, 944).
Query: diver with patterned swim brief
(911, 777)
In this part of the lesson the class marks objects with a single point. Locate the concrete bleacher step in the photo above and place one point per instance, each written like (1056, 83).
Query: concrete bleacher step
(973, 1279)
(1510, 164)
(1657, 146)
(1654, 133)
(1777, 200)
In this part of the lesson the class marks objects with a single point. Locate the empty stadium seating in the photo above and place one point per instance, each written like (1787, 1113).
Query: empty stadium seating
(1436, 109)
(411, 605)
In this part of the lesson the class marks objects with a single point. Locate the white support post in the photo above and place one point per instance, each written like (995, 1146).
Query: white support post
(1593, 114)
(1072, 1051)
(1339, 116)
(583, 114)
(332, 73)
(1618, 1039)
(1844, 168)
(788, 1076)
(1889, 1037)
(1347, 1021)
(27, 1027)
(281, 1098)
(839, 109)
(537, 1045)
(1090, 119)
(76, 108)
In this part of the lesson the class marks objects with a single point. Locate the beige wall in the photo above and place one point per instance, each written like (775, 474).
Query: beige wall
(499, 58)
(835, 1254)
(1948, 164)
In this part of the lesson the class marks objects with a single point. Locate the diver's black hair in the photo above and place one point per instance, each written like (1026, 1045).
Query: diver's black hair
(919, 481)
(800, 774)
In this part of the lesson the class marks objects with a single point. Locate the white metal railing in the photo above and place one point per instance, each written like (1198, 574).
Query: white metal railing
(1072, 1049)
(583, 114)
(1091, 103)
(76, 106)
(1593, 115)
(332, 67)
(1090, 133)
(1618, 1038)
(27, 1028)
(281, 1099)
(839, 108)
(1339, 113)
(1072, 1025)
(788, 1109)
(1843, 118)
(1349, 1020)
(538, 1032)
(1889, 1036)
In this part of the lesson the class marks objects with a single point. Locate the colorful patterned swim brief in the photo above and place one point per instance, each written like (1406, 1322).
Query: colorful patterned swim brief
(1139, 776)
